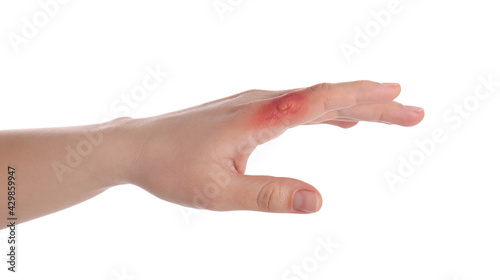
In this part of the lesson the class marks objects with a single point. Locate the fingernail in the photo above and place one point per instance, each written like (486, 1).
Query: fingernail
(305, 201)
(390, 84)
(414, 109)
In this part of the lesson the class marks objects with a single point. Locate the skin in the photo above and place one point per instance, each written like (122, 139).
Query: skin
(194, 157)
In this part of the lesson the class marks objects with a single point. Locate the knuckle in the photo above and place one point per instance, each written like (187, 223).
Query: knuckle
(321, 87)
(270, 196)
(381, 116)
(365, 83)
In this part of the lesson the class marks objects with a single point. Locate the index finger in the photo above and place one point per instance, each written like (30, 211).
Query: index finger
(300, 106)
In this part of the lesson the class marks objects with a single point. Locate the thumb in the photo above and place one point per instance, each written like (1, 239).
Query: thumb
(271, 194)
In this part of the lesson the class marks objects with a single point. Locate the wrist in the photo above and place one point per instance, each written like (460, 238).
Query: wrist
(119, 149)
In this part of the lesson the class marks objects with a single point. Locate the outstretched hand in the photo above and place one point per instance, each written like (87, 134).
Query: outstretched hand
(197, 157)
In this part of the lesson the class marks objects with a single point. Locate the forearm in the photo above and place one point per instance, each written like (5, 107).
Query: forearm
(60, 167)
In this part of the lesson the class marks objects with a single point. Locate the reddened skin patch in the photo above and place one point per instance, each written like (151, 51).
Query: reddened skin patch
(281, 111)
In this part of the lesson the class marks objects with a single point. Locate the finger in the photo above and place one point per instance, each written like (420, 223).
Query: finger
(269, 194)
(391, 113)
(304, 105)
(348, 94)
(340, 123)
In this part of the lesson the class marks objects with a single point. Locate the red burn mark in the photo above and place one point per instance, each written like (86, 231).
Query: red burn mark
(281, 111)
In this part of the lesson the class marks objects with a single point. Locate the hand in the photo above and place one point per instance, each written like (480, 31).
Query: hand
(197, 157)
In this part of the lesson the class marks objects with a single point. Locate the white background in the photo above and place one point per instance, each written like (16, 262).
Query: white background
(442, 222)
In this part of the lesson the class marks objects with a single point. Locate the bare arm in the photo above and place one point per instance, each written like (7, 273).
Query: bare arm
(195, 157)
(58, 167)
